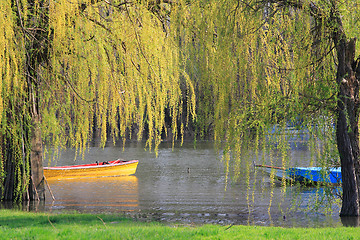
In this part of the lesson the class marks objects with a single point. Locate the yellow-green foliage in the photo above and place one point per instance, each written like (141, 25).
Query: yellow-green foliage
(253, 69)
(13, 116)
(113, 63)
(10, 64)
(108, 67)
(230, 68)
(257, 70)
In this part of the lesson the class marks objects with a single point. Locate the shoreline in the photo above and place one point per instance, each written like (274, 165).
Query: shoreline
(27, 225)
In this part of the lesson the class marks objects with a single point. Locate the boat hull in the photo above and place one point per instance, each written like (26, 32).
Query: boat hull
(106, 169)
(305, 175)
(315, 174)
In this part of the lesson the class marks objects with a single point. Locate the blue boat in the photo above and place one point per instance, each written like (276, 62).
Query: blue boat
(315, 174)
(305, 175)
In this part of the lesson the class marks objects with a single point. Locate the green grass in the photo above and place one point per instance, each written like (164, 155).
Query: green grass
(25, 225)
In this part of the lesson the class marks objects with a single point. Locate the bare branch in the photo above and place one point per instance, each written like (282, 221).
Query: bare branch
(97, 23)
(73, 88)
(139, 43)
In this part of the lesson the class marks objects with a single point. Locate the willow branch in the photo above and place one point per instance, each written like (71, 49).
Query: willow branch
(20, 17)
(138, 41)
(97, 23)
(320, 103)
(74, 89)
(307, 65)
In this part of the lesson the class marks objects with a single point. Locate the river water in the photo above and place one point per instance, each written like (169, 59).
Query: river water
(186, 184)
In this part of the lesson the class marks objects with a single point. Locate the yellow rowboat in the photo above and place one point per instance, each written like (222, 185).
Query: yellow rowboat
(102, 169)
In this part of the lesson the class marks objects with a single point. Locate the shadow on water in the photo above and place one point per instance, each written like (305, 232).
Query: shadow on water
(187, 185)
(33, 206)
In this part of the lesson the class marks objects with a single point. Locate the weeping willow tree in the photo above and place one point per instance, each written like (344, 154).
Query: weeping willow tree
(71, 69)
(260, 64)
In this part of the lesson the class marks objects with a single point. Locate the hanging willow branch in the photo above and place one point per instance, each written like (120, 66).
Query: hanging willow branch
(139, 43)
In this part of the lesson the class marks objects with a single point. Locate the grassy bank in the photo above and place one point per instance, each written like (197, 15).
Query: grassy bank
(24, 225)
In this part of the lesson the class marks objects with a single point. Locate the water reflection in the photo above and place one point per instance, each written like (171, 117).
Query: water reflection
(187, 184)
(34, 206)
(95, 194)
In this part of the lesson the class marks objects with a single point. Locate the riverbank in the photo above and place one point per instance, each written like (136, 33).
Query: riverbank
(25, 225)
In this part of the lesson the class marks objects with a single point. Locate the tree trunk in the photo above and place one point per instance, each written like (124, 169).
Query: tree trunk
(347, 132)
(37, 56)
(24, 144)
(37, 188)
